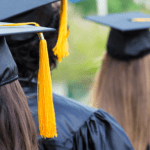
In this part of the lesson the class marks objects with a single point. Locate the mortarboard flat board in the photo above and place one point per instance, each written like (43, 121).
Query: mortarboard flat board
(122, 21)
(11, 8)
(128, 38)
(11, 30)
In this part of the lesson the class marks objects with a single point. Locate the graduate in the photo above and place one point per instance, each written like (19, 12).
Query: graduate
(69, 125)
(122, 86)
(17, 127)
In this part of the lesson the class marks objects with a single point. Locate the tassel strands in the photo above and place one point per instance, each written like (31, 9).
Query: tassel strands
(46, 114)
(61, 48)
(47, 125)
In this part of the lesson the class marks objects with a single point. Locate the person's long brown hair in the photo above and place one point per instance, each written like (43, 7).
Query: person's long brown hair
(17, 128)
(122, 88)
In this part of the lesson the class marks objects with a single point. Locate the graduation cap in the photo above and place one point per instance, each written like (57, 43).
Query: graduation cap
(8, 68)
(9, 73)
(129, 37)
(13, 8)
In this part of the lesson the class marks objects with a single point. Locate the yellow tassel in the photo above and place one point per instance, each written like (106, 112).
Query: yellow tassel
(61, 48)
(46, 114)
(47, 125)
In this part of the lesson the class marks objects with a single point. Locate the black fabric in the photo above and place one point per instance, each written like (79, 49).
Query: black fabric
(128, 45)
(8, 68)
(41, 15)
(148, 147)
(10, 8)
(79, 126)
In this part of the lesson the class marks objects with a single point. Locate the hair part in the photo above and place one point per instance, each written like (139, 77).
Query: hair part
(122, 88)
(17, 128)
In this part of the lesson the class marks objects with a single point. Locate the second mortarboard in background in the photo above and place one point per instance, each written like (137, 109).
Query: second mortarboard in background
(129, 36)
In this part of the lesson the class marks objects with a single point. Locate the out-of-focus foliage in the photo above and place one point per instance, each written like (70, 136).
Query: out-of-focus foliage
(89, 7)
(115, 6)
(87, 42)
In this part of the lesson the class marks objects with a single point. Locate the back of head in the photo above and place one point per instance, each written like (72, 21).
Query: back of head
(122, 88)
(25, 48)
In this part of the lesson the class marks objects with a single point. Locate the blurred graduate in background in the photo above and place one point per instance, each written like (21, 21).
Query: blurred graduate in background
(122, 85)
(78, 126)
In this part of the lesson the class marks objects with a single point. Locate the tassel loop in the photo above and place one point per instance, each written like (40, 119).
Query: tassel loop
(41, 36)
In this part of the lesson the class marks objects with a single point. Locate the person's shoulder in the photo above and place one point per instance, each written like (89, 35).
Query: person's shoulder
(99, 131)
(80, 127)
(70, 116)
(71, 103)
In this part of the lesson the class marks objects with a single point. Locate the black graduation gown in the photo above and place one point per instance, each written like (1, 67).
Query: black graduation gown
(79, 126)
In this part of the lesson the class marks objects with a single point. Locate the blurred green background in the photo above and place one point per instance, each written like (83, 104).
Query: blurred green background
(74, 76)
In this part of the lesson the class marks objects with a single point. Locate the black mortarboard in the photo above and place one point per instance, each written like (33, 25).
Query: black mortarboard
(129, 36)
(8, 68)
